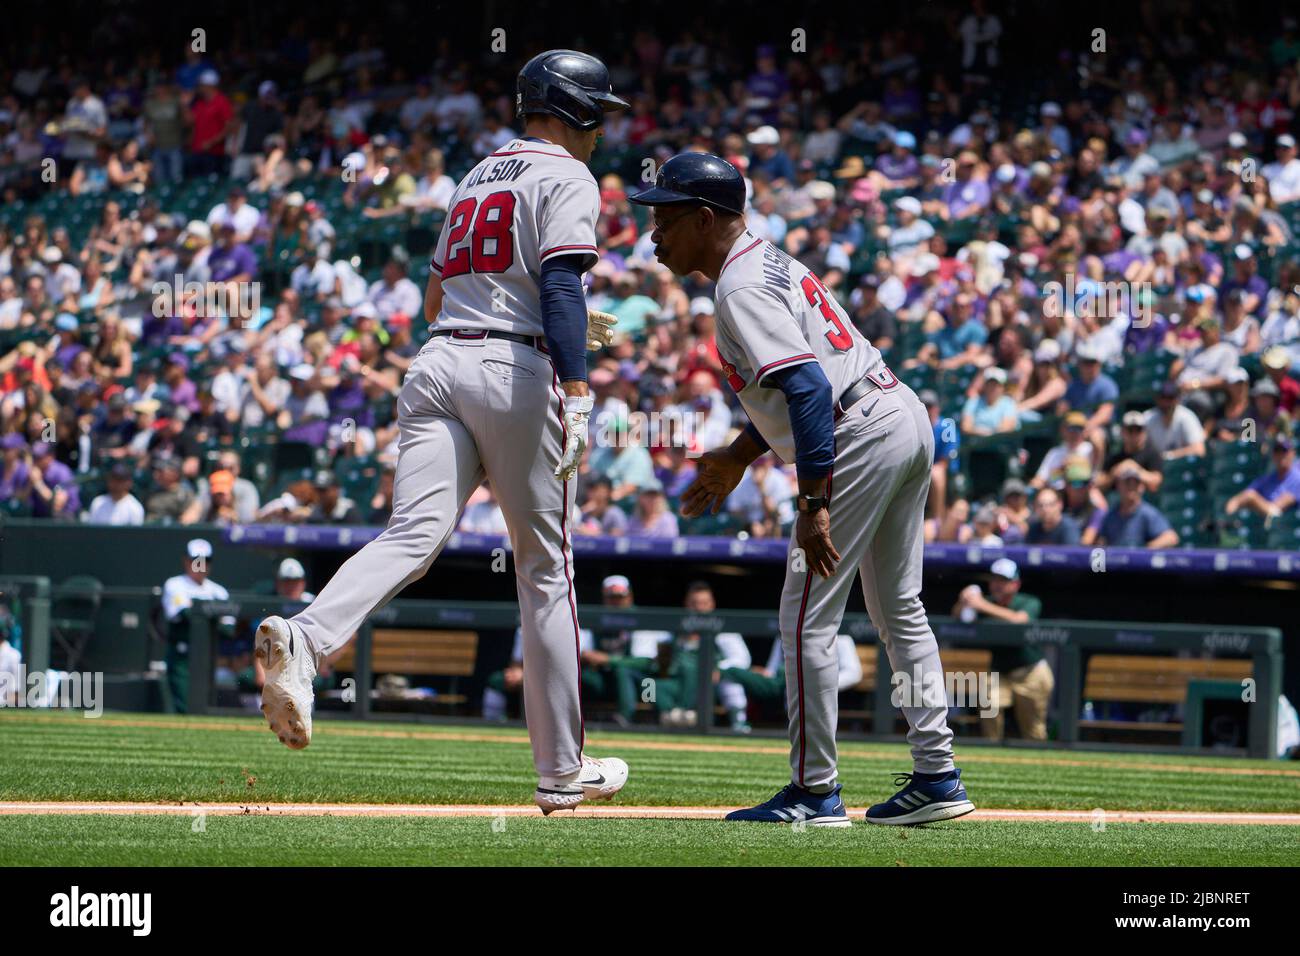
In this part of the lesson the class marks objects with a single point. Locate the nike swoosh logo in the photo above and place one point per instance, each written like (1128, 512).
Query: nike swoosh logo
(593, 783)
(291, 642)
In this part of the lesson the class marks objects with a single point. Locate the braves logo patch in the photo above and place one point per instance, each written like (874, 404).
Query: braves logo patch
(733, 378)
(884, 379)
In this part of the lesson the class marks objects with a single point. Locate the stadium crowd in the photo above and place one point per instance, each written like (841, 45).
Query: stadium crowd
(211, 277)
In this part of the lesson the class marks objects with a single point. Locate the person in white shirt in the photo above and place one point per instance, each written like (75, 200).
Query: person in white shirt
(237, 211)
(11, 661)
(395, 292)
(419, 106)
(314, 279)
(1284, 175)
(178, 595)
(230, 385)
(458, 106)
(434, 188)
(117, 507)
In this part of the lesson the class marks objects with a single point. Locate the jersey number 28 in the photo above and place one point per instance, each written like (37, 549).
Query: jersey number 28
(820, 296)
(491, 225)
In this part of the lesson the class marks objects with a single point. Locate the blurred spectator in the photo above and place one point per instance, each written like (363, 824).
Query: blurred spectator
(1084, 503)
(243, 494)
(1173, 429)
(599, 514)
(482, 514)
(1013, 512)
(381, 504)
(1094, 394)
(171, 498)
(651, 517)
(1274, 491)
(991, 411)
(1277, 364)
(117, 506)
(394, 292)
(947, 452)
(1134, 523)
(763, 502)
(332, 506)
(54, 492)
(1136, 450)
(1050, 524)
(211, 121)
(11, 661)
(984, 527)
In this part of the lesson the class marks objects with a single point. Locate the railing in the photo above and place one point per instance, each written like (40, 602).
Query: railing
(1217, 561)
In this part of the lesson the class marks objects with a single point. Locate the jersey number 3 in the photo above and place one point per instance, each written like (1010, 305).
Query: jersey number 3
(819, 296)
(491, 227)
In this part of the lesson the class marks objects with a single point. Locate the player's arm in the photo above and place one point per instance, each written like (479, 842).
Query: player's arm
(810, 399)
(567, 244)
(433, 297)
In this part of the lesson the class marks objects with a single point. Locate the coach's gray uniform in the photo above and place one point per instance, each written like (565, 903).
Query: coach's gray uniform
(472, 406)
(773, 313)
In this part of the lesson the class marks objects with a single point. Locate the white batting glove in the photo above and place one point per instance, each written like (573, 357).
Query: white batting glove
(577, 409)
(600, 329)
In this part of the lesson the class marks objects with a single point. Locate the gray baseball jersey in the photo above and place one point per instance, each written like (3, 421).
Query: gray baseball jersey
(773, 313)
(528, 202)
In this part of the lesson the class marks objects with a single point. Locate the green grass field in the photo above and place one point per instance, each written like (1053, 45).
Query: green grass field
(160, 759)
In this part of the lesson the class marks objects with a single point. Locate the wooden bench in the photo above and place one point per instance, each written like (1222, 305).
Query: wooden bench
(1125, 678)
(427, 653)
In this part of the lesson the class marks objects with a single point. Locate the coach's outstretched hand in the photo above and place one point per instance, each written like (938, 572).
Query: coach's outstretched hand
(717, 473)
(813, 534)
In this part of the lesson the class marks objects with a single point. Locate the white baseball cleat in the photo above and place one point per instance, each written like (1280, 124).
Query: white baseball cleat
(598, 780)
(287, 695)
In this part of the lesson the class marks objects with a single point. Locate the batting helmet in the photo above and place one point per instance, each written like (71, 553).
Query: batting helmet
(565, 83)
(696, 178)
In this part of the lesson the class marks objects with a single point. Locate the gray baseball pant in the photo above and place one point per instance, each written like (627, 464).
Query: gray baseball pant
(884, 447)
(469, 408)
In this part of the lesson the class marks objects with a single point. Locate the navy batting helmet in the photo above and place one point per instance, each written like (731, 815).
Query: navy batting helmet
(565, 83)
(696, 178)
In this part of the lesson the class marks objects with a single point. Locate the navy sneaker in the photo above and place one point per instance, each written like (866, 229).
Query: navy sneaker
(925, 798)
(794, 804)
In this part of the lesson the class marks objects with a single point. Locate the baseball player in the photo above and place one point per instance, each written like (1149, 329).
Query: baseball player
(499, 390)
(817, 393)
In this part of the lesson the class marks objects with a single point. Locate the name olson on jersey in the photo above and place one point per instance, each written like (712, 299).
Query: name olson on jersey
(508, 170)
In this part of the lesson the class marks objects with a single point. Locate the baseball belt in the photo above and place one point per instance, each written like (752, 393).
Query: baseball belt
(859, 390)
(536, 341)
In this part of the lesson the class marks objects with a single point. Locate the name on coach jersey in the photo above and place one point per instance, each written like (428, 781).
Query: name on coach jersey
(506, 170)
(776, 268)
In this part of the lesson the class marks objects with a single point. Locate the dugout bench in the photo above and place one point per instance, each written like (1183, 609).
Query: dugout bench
(1119, 658)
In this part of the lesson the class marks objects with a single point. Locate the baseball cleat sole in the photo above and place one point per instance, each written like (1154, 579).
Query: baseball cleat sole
(935, 813)
(287, 693)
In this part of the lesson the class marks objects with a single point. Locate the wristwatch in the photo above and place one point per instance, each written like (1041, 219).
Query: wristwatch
(808, 504)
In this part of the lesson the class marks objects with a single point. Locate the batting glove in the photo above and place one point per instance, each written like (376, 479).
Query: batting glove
(577, 409)
(600, 329)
